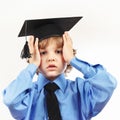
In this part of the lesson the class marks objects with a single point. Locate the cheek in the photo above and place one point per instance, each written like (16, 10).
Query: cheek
(43, 59)
(62, 62)
(42, 67)
(42, 63)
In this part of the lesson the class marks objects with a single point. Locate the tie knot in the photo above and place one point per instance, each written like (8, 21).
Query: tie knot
(51, 87)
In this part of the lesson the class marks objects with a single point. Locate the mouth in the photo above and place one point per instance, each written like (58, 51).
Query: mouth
(51, 67)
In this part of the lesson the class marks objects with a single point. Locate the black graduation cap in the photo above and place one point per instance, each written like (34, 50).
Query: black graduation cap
(45, 28)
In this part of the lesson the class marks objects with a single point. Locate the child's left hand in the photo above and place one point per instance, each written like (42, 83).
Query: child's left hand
(67, 48)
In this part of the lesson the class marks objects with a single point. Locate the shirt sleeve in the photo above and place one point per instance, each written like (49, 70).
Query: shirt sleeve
(16, 95)
(95, 89)
(87, 69)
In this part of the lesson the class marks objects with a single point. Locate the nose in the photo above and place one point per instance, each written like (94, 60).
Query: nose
(51, 58)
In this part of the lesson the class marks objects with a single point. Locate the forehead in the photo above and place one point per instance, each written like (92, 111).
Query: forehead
(57, 41)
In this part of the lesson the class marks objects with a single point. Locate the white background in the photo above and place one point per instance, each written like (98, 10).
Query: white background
(96, 38)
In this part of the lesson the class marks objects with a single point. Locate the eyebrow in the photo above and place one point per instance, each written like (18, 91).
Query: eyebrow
(55, 48)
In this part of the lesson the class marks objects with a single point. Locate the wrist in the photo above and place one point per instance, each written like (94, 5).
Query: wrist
(36, 63)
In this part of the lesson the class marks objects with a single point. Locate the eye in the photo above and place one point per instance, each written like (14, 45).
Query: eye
(58, 51)
(43, 52)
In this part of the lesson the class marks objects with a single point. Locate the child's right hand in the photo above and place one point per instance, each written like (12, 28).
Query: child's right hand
(34, 51)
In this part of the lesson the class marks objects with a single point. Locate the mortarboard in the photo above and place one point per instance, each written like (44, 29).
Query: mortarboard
(45, 28)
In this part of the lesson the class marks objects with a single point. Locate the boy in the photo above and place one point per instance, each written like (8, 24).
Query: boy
(50, 55)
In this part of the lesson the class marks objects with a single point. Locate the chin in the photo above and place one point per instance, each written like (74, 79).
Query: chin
(52, 76)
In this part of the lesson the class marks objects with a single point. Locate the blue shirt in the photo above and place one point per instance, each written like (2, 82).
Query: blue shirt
(79, 99)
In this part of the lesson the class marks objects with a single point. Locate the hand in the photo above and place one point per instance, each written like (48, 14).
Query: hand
(34, 51)
(67, 48)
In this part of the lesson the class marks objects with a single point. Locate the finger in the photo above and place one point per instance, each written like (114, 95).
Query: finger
(36, 44)
(31, 44)
(64, 38)
(68, 38)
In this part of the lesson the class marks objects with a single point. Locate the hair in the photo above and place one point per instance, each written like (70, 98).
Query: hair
(59, 42)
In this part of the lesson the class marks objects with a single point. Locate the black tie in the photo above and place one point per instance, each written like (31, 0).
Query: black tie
(52, 102)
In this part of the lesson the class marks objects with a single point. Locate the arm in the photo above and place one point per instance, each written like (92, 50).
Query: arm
(18, 94)
(24, 80)
(89, 71)
(97, 86)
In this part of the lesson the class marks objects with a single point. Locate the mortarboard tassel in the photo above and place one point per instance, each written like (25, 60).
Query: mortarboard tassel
(25, 53)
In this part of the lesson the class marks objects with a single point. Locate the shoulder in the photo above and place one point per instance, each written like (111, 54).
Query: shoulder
(75, 84)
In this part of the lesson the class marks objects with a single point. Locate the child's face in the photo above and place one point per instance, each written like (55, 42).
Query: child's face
(52, 62)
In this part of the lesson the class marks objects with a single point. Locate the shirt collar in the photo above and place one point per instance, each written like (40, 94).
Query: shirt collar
(60, 81)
